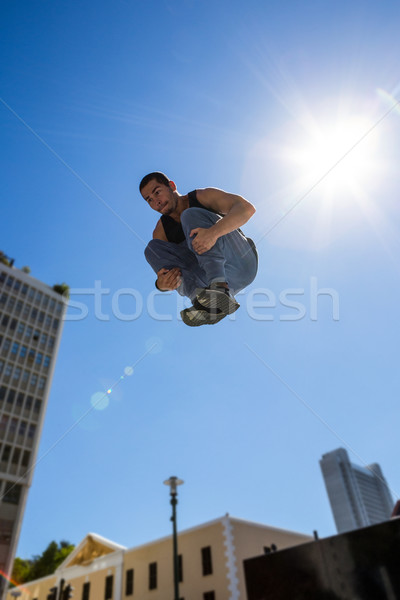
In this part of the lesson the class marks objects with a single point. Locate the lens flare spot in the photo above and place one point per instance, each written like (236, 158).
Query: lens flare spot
(128, 371)
(99, 401)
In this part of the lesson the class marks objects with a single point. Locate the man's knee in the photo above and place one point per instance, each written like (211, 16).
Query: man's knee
(198, 217)
(152, 250)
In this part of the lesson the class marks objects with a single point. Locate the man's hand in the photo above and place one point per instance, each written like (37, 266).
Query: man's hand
(204, 239)
(169, 279)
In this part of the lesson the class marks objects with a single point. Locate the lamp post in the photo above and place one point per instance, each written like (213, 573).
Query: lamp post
(16, 593)
(173, 482)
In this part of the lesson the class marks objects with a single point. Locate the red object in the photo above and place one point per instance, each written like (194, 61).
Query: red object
(396, 510)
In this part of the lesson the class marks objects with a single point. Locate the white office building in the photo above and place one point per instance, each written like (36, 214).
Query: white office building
(359, 496)
(31, 317)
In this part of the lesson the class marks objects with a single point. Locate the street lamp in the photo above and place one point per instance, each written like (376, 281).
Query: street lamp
(173, 482)
(16, 593)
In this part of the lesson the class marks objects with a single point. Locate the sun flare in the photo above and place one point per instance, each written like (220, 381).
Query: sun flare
(336, 157)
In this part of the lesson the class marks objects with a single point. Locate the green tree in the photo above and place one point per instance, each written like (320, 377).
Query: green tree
(4, 258)
(62, 288)
(42, 564)
(21, 570)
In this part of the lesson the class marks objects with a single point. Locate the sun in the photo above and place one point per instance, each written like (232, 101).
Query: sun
(336, 156)
(323, 172)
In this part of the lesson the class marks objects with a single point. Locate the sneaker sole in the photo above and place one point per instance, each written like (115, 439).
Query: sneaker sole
(214, 299)
(196, 318)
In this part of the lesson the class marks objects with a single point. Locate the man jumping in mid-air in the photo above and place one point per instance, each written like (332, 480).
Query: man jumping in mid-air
(198, 248)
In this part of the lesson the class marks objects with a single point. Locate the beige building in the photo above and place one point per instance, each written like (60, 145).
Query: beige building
(31, 319)
(210, 564)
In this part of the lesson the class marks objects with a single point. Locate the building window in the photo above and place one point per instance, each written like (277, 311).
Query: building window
(25, 458)
(16, 454)
(86, 591)
(7, 449)
(108, 592)
(34, 379)
(3, 426)
(25, 378)
(153, 576)
(209, 596)
(206, 560)
(10, 399)
(22, 429)
(11, 303)
(17, 374)
(129, 583)
(28, 403)
(12, 493)
(6, 529)
(180, 568)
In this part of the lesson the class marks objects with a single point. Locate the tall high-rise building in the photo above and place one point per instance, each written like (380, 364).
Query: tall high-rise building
(359, 496)
(31, 317)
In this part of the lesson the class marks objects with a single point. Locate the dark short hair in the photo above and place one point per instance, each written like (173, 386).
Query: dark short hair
(157, 175)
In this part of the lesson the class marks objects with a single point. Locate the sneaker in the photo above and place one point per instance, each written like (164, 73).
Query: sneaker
(217, 297)
(198, 315)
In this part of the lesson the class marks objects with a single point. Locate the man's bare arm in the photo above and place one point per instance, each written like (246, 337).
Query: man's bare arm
(236, 210)
(159, 233)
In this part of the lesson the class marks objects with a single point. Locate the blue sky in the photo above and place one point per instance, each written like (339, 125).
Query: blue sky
(246, 97)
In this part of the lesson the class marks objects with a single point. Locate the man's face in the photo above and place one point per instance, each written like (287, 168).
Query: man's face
(160, 197)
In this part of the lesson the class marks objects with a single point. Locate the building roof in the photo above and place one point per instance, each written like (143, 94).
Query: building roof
(92, 546)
